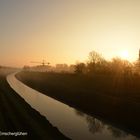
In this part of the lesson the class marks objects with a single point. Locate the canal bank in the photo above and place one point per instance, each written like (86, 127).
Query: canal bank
(18, 120)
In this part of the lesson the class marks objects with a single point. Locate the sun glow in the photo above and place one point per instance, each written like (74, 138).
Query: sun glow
(124, 54)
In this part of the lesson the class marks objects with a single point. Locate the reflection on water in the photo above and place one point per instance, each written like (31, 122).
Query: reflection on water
(116, 132)
(72, 123)
(96, 126)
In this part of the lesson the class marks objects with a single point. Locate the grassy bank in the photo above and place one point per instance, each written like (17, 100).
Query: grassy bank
(114, 98)
(17, 116)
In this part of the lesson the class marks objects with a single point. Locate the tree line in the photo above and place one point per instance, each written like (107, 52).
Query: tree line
(97, 64)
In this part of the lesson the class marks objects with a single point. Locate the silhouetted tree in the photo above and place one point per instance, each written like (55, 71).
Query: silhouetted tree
(136, 67)
(96, 64)
(120, 66)
(80, 68)
(95, 57)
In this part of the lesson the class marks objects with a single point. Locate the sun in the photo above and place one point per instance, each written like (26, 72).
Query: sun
(124, 54)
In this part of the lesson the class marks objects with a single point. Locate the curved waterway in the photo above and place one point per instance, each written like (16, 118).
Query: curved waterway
(71, 122)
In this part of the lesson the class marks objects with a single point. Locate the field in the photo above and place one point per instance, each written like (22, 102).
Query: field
(113, 98)
(17, 116)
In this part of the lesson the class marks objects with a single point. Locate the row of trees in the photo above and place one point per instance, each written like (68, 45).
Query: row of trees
(96, 64)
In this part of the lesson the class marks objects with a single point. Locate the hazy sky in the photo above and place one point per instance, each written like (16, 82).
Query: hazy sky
(64, 31)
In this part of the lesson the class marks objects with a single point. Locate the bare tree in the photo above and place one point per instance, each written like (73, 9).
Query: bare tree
(96, 63)
(80, 68)
(95, 57)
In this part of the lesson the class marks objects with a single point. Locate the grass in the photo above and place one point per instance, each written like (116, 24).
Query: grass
(114, 98)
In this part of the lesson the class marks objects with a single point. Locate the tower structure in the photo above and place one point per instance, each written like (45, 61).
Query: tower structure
(139, 55)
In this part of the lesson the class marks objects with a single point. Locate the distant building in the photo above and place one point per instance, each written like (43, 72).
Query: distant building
(61, 67)
(41, 68)
(64, 68)
(26, 68)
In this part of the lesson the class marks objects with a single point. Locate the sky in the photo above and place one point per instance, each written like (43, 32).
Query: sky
(65, 31)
